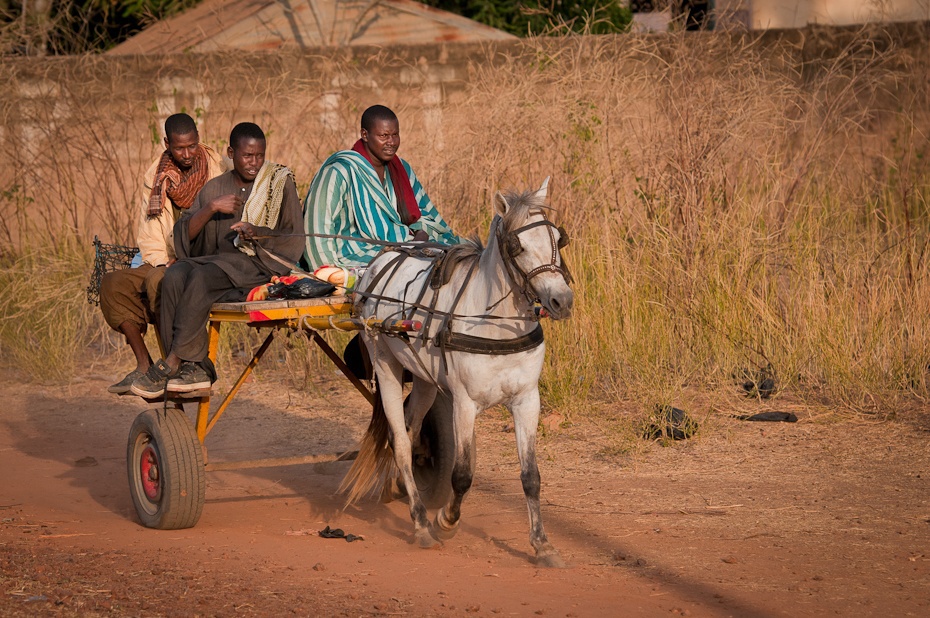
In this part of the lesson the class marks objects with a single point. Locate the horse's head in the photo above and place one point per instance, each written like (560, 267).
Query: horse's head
(531, 247)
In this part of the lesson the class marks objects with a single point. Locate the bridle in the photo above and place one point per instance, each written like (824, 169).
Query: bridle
(510, 247)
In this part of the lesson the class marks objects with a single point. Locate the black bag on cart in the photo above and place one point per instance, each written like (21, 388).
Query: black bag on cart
(302, 288)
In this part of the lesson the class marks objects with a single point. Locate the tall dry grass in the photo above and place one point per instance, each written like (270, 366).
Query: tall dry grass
(737, 203)
(46, 325)
(763, 212)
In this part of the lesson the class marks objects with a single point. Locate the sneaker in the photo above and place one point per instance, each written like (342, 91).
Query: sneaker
(122, 387)
(191, 377)
(152, 384)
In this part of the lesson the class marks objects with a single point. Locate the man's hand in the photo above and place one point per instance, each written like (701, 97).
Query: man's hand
(246, 230)
(226, 204)
(420, 236)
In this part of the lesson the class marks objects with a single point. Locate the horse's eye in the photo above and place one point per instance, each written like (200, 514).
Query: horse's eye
(563, 237)
(514, 248)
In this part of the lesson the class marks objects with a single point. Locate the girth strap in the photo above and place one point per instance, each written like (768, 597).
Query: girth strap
(460, 342)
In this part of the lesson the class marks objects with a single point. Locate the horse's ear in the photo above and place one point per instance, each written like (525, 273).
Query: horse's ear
(500, 203)
(543, 190)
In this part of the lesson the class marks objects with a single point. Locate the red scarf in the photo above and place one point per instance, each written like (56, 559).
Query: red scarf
(180, 186)
(407, 206)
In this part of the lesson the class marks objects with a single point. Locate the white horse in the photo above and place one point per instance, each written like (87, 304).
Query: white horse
(481, 344)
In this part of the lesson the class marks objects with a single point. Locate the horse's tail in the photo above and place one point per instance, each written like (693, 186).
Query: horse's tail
(375, 462)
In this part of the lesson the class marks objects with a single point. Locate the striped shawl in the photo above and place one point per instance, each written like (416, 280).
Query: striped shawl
(347, 198)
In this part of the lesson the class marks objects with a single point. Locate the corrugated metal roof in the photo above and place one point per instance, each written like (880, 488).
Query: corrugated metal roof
(257, 25)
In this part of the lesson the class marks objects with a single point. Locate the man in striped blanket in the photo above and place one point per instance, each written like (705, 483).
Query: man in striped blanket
(368, 192)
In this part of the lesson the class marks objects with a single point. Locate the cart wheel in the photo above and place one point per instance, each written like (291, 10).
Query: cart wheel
(432, 470)
(164, 460)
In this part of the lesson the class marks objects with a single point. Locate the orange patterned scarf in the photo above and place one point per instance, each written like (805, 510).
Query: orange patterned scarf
(180, 186)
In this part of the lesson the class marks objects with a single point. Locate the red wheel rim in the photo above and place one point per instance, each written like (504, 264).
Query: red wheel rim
(148, 469)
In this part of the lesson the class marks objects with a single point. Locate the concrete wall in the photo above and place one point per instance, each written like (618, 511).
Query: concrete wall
(76, 134)
(772, 14)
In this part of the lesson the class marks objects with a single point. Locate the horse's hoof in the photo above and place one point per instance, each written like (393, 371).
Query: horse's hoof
(443, 529)
(425, 539)
(445, 533)
(550, 559)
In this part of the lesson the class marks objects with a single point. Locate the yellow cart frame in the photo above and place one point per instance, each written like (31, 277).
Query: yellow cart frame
(166, 456)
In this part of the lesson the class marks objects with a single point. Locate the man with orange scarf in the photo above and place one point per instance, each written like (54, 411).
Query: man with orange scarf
(129, 299)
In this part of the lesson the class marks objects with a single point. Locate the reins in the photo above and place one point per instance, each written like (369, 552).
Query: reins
(408, 304)
(425, 244)
(509, 246)
(446, 339)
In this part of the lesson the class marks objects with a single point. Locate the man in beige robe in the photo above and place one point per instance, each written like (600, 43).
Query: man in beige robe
(129, 299)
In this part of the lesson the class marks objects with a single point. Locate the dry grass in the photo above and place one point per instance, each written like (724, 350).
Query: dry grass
(46, 325)
(736, 203)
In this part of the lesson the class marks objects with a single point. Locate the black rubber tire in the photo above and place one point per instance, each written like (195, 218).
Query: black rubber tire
(433, 471)
(164, 461)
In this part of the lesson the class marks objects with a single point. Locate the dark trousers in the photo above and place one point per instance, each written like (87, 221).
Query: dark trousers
(187, 293)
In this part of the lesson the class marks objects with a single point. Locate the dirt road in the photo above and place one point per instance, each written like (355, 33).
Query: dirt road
(748, 519)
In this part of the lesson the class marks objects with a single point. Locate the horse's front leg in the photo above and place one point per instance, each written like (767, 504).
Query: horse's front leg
(464, 412)
(525, 410)
(390, 386)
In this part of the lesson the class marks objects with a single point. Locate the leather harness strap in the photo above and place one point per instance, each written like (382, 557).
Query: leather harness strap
(447, 321)
(460, 342)
(365, 295)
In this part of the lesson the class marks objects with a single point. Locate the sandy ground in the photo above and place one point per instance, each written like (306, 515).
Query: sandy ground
(820, 517)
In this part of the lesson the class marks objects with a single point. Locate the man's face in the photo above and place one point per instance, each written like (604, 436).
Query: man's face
(182, 148)
(248, 157)
(383, 140)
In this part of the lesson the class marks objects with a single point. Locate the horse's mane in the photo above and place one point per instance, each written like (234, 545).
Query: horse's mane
(518, 207)
(468, 247)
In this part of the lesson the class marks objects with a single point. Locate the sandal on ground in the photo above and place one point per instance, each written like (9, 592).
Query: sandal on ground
(153, 383)
(122, 387)
(339, 533)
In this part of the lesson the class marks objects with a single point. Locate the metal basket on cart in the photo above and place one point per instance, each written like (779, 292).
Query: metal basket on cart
(107, 258)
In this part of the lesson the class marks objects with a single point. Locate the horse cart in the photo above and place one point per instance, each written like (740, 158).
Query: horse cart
(166, 454)
(493, 293)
